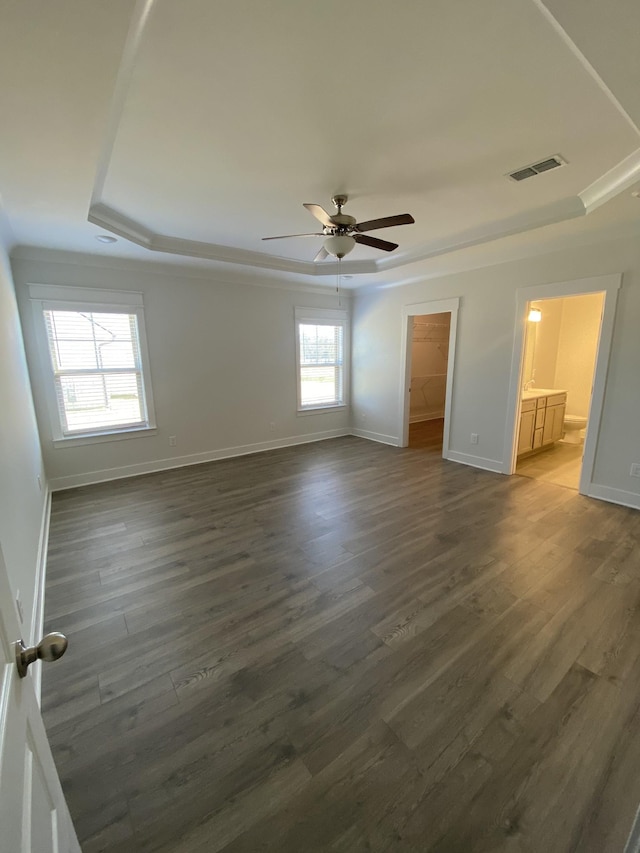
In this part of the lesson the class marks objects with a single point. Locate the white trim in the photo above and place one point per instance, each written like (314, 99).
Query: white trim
(61, 297)
(74, 480)
(117, 223)
(616, 496)
(393, 440)
(633, 841)
(609, 286)
(494, 465)
(173, 269)
(618, 179)
(582, 59)
(99, 437)
(37, 614)
(139, 19)
(124, 299)
(440, 306)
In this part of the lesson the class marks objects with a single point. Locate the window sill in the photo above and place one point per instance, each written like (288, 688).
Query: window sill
(97, 438)
(321, 410)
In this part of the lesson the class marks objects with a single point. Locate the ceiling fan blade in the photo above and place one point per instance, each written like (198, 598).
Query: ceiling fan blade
(322, 254)
(386, 222)
(320, 214)
(284, 236)
(375, 243)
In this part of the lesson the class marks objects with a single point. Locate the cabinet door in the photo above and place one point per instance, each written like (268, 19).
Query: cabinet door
(558, 421)
(553, 424)
(525, 435)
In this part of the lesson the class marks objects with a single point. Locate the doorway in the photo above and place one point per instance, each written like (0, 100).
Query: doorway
(429, 330)
(539, 418)
(427, 392)
(560, 347)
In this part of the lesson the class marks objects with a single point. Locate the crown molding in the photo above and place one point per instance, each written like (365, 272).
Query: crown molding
(560, 211)
(616, 180)
(139, 19)
(37, 254)
(610, 234)
(582, 59)
(117, 223)
(623, 176)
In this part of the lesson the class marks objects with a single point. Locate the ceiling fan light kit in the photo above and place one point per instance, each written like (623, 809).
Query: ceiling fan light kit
(339, 245)
(342, 232)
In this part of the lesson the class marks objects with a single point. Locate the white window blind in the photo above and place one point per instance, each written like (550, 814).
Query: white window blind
(97, 371)
(321, 342)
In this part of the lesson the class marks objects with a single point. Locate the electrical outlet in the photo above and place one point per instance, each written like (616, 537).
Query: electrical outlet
(172, 441)
(474, 438)
(272, 426)
(39, 482)
(635, 469)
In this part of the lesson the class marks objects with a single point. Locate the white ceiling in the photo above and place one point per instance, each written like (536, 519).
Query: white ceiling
(196, 128)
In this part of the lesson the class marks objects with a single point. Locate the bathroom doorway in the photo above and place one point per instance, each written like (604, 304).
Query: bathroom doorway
(429, 330)
(558, 378)
(561, 343)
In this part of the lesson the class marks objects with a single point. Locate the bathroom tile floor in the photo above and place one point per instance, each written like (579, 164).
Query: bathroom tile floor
(559, 465)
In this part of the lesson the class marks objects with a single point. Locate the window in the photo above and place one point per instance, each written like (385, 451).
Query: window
(321, 344)
(95, 359)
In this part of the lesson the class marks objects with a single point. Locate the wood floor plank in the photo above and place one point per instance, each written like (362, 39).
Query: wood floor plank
(345, 646)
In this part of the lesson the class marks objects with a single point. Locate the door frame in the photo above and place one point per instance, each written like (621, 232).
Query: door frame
(608, 285)
(417, 309)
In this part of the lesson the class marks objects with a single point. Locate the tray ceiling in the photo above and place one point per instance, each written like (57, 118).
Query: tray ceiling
(194, 129)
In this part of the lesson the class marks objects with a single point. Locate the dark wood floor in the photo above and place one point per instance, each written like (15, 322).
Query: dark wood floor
(345, 647)
(427, 435)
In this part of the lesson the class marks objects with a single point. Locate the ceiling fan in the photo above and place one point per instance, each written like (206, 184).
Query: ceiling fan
(342, 231)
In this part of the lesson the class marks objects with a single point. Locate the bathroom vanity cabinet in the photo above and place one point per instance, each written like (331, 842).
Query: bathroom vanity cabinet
(541, 419)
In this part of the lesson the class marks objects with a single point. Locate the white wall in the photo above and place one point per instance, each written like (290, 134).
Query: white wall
(484, 352)
(561, 349)
(22, 501)
(541, 348)
(577, 345)
(222, 368)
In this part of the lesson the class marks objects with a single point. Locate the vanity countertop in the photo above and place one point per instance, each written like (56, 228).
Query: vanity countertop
(536, 393)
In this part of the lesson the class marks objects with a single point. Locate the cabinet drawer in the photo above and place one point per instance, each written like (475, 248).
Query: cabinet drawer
(537, 439)
(556, 400)
(541, 402)
(527, 405)
(540, 418)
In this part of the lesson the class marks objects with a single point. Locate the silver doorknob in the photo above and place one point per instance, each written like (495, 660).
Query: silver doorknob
(50, 648)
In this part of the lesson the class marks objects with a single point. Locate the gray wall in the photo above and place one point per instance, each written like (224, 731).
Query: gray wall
(222, 369)
(484, 350)
(22, 500)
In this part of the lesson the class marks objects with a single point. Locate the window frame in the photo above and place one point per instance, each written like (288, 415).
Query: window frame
(323, 317)
(53, 298)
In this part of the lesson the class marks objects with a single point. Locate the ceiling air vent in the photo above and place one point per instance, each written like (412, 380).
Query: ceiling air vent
(537, 168)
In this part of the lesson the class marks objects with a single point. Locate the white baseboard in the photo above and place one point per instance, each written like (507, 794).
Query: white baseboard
(432, 416)
(616, 496)
(37, 613)
(633, 841)
(376, 436)
(74, 480)
(475, 461)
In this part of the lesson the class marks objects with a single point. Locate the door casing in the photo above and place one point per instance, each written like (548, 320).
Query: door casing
(440, 306)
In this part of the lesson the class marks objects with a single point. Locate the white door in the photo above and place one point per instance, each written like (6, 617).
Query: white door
(34, 817)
